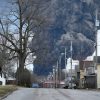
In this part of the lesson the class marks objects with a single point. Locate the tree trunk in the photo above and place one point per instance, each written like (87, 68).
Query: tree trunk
(20, 70)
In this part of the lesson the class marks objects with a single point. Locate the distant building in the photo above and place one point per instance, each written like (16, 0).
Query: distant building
(74, 63)
(72, 71)
(97, 68)
(87, 74)
(10, 81)
(2, 79)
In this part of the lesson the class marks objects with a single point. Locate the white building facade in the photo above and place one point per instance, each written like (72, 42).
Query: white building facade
(2, 80)
(98, 54)
(74, 64)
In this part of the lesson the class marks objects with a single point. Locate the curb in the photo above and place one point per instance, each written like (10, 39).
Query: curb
(94, 90)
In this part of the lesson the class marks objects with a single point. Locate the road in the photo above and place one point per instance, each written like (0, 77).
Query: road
(53, 94)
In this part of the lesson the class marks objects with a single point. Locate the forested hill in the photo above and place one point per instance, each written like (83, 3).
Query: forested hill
(71, 20)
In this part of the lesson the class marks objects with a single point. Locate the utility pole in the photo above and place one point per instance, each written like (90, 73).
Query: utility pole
(54, 76)
(96, 25)
(65, 62)
(57, 71)
(71, 50)
(60, 69)
(96, 58)
(65, 58)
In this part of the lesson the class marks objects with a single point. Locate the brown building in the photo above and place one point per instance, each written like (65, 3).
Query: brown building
(87, 74)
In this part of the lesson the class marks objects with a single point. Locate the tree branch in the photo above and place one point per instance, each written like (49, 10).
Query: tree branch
(8, 47)
(13, 58)
(10, 41)
(2, 26)
(13, 22)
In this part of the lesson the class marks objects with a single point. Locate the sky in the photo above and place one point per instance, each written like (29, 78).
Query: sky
(4, 9)
(3, 6)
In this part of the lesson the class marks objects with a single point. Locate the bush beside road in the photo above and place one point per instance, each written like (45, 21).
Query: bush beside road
(4, 90)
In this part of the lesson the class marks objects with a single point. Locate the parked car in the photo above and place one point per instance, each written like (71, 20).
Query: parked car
(70, 83)
(35, 85)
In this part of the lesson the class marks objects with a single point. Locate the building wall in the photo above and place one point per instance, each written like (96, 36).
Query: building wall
(90, 81)
(81, 84)
(98, 76)
(98, 54)
(81, 74)
(3, 80)
(98, 43)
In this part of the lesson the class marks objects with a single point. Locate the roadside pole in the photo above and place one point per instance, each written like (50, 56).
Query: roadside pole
(57, 69)
(71, 62)
(96, 58)
(65, 64)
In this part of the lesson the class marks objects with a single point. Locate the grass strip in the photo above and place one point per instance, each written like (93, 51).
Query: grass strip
(7, 89)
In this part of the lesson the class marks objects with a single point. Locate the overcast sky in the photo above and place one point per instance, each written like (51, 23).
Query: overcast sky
(4, 6)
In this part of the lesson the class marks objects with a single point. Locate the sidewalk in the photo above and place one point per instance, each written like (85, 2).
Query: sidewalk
(98, 90)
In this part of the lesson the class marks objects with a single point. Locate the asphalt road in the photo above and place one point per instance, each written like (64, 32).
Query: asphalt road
(53, 94)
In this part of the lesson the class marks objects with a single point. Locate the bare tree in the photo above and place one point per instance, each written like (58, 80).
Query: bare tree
(25, 18)
(6, 64)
